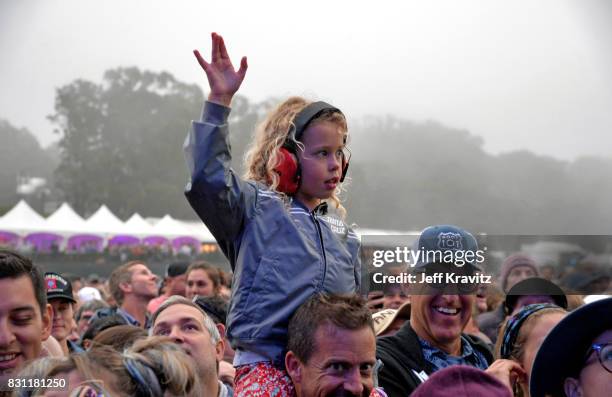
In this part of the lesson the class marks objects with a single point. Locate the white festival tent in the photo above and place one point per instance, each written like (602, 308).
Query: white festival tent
(389, 238)
(169, 230)
(170, 227)
(137, 226)
(66, 221)
(66, 229)
(70, 225)
(22, 219)
(104, 222)
(199, 230)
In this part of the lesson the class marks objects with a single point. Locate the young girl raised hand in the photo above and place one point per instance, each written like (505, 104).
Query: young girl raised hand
(281, 227)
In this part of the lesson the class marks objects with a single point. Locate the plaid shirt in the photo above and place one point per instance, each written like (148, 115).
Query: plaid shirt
(439, 359)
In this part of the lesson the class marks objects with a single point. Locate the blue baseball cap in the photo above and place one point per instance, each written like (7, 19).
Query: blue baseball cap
(447, 244)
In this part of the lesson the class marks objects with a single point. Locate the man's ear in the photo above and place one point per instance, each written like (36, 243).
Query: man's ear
(572, 388)
(294, 367)
(220, 349)
(125, 287)
(47, 321)
(221, 329)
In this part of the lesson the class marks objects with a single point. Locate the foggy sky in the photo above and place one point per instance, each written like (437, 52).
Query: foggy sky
(522, 74)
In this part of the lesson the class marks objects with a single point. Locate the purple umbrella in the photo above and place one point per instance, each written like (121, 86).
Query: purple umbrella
(43, 242)
(155, 240)
(85, 243)
(9, 239)
(123, 240)
(185, 240)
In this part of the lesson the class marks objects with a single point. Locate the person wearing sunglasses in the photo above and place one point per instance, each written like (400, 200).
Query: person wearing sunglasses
(575, 359)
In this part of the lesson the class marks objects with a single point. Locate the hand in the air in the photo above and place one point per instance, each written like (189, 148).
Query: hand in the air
(223, 79)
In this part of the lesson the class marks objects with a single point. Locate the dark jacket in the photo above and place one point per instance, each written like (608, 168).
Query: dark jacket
(403, 360)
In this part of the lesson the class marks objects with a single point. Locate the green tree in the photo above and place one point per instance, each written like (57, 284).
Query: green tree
(121, 141)
(20, 155)
(80, 117)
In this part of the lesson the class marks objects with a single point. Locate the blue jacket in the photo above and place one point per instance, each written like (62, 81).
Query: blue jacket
(280, 253)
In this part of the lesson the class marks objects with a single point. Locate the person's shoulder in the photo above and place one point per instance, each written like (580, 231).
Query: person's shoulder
(481, 346)
(403, 366)
(265, 193)
(403, 343)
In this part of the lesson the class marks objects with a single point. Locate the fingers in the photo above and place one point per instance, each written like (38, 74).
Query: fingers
(215, 53)
(243, 68)
(201, 60)
(376, 303)
(375, 300)
(222, 49)
(513, 366)
(506, 370)
(519, 372)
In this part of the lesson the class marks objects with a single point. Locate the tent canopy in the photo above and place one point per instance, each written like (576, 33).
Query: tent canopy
(170, 227)
(22, 219)
(137, 226)
(66, 227)
(103, 221)
(66, 221)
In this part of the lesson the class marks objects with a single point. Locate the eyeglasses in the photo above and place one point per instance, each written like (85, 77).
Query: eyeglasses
(604, 354)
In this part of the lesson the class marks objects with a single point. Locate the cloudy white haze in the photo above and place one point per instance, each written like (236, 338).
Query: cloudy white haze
(522, 74)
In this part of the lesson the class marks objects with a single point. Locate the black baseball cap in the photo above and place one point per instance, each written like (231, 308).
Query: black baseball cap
(535, 286)
(58, 287)
(176, 269)
(563, 351)
(214, 306)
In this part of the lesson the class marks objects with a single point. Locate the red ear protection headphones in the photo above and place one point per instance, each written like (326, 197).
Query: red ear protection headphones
(289, 169)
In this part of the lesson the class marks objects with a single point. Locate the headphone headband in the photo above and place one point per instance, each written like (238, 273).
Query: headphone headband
(310, 112)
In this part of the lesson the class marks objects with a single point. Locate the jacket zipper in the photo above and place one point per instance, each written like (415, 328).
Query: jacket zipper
(316, 222)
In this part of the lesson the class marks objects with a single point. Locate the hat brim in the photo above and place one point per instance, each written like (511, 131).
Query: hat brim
(561, 354)
(535, 286)
(402, 312)
(61, 296)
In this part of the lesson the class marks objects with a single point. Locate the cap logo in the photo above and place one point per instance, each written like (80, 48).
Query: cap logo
(51, 283)
(450, 241)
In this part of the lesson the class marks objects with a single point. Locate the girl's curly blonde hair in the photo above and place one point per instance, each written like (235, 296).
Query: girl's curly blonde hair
(263, 156)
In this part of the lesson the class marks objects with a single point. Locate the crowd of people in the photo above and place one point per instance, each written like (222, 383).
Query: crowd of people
(293, 319)
(123, 336)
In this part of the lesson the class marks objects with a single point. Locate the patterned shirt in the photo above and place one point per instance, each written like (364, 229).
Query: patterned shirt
(439, 359)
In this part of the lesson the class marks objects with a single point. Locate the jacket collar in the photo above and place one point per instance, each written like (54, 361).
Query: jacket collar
(411, 348)
(410, 343)
(320, 209)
